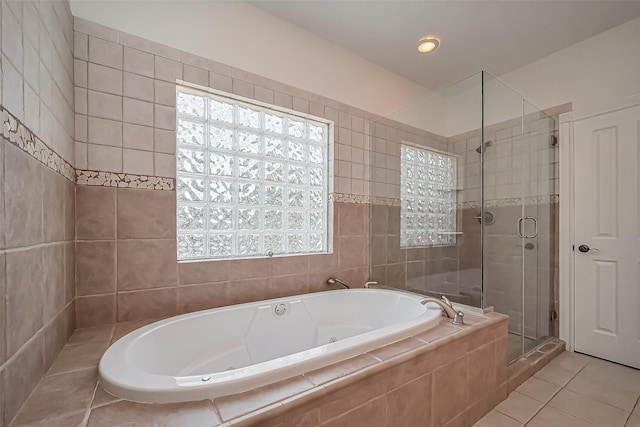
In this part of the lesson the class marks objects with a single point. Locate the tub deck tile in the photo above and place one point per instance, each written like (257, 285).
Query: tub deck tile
(58, 396)
(334, 395)
(192, 414)
(396, 348)
(233, 406)
(341, 369)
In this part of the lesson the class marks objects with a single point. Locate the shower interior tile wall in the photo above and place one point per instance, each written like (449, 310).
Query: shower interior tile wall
(37, 310)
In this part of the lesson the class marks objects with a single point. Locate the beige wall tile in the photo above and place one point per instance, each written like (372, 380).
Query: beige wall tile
(104, 79)
(146, 214)
(138, 87)
(138, 62)
(23, 205)
(80, 73)
(55, 337)
(137, 136)
(104, 132)
(104, 52)
(263, 94)
(95, 267)
(81, 128)
(165, 165)
(352, 251)
(137, 162)
(410, 404)
(81, 155)
(165, 93)
(203, 272)
(201, 297)
(53, 285)
(165, 141)
(220, 82)
(22, 373)
(81, 46)
(53, 205)
(196, 75)
(446, 406)
(104, 105)
(95, 310)
(165, 117)
(147, 263)
(167, 69)
(137, 112)
(95, 213)
(24, 299)
(103, 158)
(147, 304)
(80, 100)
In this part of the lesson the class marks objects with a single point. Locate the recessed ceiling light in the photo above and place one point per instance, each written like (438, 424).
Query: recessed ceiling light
(428, 44)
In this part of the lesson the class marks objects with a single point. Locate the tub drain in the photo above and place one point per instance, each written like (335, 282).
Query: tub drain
(333, 339)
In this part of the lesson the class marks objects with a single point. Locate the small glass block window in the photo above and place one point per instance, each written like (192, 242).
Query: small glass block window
(428, 198)
(251, 180)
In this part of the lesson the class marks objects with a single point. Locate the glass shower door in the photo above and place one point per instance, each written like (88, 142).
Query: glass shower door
(538, 225)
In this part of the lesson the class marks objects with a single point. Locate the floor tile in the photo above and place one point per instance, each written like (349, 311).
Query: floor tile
(538, 389)
(519, 407)
(603, 392)
(633, 421)
(555, 375)
(496, 419)
(611, 373)
(573, 362)
(551, 417)
(590, 410)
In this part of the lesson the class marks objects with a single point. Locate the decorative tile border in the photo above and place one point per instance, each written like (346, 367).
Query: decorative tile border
(516, 201)
(349, 198)
(124, 180)
(19, 135)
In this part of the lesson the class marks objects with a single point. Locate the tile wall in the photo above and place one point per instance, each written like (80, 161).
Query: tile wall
(36, 195)
(126, 265)
(125, 161)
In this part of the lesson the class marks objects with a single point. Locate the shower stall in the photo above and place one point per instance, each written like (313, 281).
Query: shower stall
(464, 203)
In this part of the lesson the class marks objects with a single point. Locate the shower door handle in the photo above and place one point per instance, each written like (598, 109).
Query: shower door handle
(519, 231)
(535, 228)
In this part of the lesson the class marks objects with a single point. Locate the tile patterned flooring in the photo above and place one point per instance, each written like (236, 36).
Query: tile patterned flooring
(573, 390)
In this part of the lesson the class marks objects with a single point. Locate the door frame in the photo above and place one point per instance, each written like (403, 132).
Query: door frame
(566, 306)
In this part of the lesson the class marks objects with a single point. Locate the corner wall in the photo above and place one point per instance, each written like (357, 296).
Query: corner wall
(37, 313)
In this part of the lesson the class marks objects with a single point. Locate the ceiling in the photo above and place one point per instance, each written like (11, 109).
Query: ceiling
(495, 36)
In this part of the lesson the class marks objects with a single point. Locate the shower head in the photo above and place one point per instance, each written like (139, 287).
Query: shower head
(486, 144)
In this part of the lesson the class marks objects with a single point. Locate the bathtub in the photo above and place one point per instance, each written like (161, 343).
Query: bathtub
(229, 350)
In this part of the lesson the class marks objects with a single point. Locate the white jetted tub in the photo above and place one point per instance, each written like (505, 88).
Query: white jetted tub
(229, 350)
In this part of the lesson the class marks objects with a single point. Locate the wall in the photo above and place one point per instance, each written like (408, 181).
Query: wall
(595, 71)
(36, 195)
(247, 38)
(126, 247)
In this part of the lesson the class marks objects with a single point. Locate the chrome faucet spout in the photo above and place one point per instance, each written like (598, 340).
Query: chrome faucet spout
(335, 280)
(447, 308)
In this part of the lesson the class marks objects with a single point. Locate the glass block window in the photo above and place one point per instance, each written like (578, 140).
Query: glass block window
(427, 198)
(251, 180)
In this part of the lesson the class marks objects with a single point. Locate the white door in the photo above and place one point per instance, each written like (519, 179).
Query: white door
(607, 236)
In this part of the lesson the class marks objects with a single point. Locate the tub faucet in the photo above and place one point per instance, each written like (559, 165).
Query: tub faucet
(447, 308)
(335, 280)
